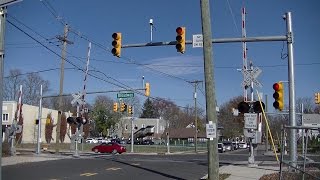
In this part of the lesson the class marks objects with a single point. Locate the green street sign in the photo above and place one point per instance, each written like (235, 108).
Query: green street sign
(125, 95)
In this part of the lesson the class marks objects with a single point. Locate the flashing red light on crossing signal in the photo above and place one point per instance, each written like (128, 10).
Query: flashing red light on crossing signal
(116, 43)
(181, 39)
(243, 107)
(278, 96)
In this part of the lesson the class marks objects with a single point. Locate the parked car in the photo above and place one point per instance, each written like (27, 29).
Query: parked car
(243, 145)
(111, 147)
(228, 145)
(221, 148)
(147, 142)
(91, 140)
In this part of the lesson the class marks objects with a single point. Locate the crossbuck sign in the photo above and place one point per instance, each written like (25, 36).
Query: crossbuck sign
(77, 98)
(250, 76)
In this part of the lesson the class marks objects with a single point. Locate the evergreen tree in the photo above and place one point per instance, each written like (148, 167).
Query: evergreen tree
(148, 110)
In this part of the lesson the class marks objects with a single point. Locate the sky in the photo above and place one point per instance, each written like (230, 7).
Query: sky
(167, 71)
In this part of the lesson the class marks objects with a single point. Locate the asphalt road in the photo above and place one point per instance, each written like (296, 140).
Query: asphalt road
(124, 166)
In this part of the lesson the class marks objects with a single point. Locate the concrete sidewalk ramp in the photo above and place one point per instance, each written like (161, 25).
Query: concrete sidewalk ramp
(244, 172)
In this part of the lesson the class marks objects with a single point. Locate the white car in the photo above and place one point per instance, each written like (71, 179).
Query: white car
(91, 140)
(243, 145)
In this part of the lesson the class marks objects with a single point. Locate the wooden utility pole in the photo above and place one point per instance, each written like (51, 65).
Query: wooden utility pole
(63, 59)
(213, 159)
(196, 82)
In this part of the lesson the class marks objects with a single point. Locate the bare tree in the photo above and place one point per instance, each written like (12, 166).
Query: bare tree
(31, 88)
(12, 84)
(232, 125)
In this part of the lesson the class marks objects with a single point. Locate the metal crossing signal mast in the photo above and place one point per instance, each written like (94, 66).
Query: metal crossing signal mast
(116, 43)
(181, 39)
(278, 96)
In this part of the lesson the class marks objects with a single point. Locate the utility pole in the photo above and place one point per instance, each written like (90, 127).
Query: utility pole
(64, 51)
(213, 159)
(196, 82)
(292, 105)
(2, 29)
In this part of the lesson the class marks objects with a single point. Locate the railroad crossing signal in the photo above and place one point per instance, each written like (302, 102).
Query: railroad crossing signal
(278, 96)
(147, 90)
(123, 107)
(115, 107)
(181, 39)
(243, 107)
(317, 98)
(116, 43)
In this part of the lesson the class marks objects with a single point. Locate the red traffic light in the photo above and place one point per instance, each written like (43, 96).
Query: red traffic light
(179, 30)
(276, 86)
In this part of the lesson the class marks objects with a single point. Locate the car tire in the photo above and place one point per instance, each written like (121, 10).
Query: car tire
(96, 150)
(114, 151)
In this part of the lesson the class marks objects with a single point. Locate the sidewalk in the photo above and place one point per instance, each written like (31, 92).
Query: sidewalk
(241, 170)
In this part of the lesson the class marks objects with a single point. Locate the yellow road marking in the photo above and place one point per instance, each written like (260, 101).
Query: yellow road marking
(113, 169)
(88, 174)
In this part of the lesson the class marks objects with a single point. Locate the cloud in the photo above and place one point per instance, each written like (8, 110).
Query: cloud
(176, 65)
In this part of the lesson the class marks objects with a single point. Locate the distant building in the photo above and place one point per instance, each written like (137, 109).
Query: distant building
(30, 114)
(123, 127)
(311, 120)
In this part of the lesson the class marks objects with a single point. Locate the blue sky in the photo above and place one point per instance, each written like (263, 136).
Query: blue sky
(170, 70)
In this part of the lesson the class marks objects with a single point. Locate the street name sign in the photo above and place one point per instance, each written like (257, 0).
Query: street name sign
(250, 120)
(125, 95)
(197, 40)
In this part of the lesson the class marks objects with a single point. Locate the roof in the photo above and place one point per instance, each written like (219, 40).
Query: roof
(184, 133)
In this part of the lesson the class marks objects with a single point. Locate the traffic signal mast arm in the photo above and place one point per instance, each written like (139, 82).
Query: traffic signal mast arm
(219, 40)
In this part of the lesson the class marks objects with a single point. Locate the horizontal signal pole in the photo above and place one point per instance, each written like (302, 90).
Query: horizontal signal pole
(219, 40)
(94, 92)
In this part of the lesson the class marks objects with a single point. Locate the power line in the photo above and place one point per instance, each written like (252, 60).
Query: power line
(233, 17)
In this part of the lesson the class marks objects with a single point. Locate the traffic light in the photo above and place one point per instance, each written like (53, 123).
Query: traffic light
(278, 96)
(115, 107)
(317, 98)
(116, 43)
(130, 110)
(243, 107)
(123, 107)
(257, 107)
(181, 39)
(147, 90)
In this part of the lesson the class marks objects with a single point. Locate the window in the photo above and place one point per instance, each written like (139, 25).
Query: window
(5, 117)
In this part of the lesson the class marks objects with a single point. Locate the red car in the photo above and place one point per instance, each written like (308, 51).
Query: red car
(111, 147)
